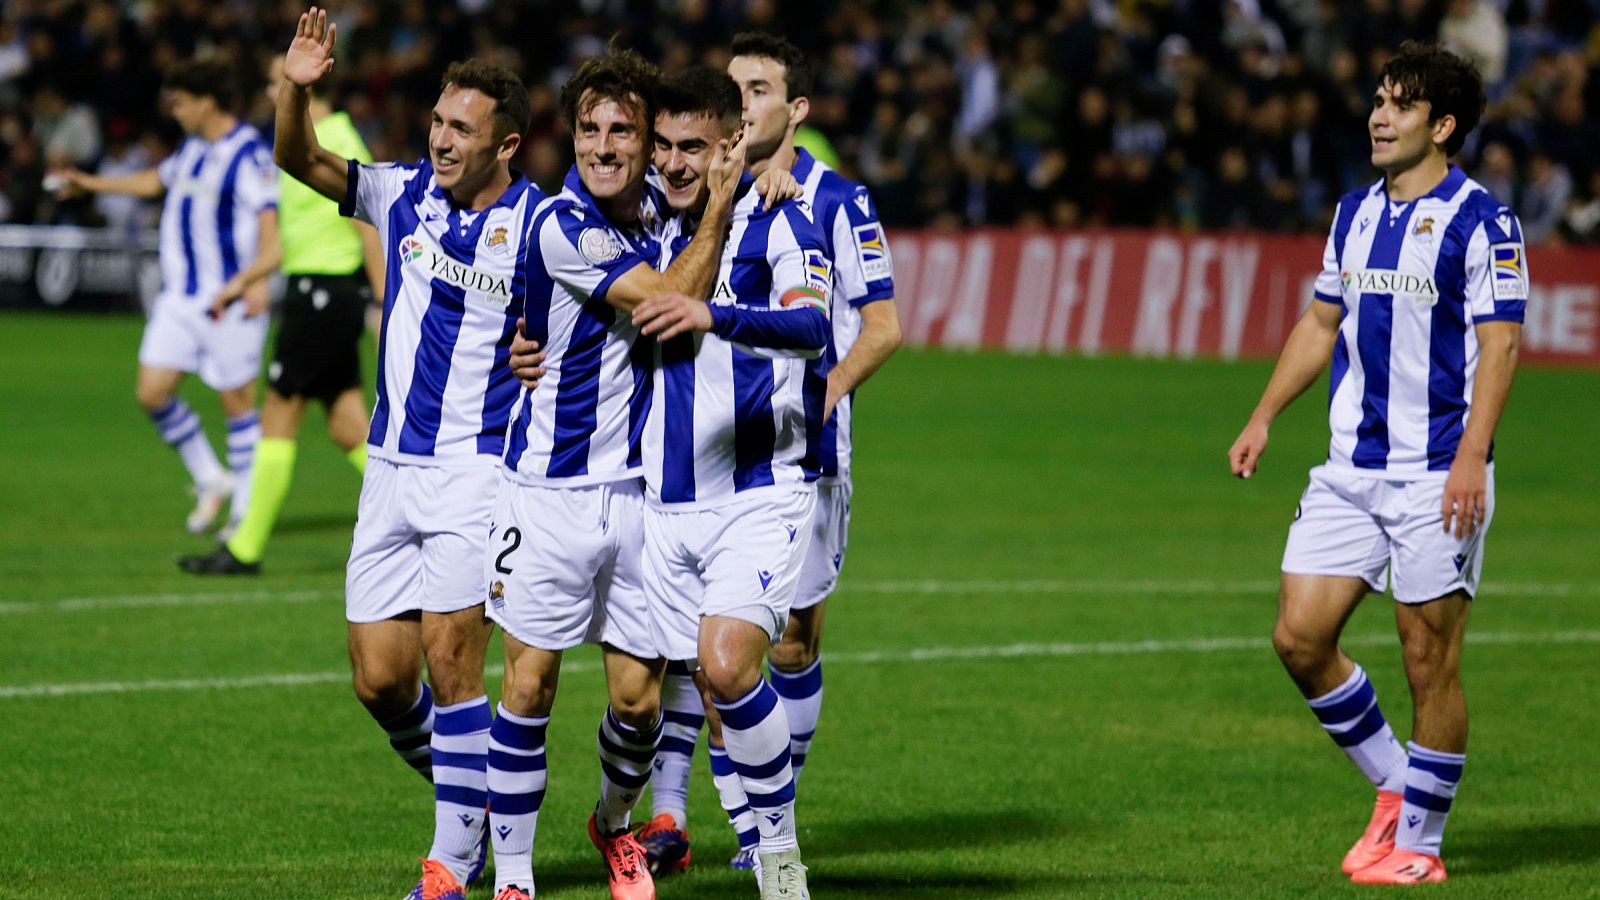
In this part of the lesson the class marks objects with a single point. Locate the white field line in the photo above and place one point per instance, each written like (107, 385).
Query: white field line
(921, 654)
(912, 587)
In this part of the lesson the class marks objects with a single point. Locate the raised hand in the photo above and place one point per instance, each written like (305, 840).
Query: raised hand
(310, 55)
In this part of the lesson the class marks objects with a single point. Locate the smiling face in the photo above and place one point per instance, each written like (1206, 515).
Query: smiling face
(1401, 134)
(684, 146)
(768, 109)
(609, 141)
(462, 144)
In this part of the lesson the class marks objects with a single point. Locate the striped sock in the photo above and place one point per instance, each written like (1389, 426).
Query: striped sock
(411, 733)
(460, 782)
(243, 433)
(625, 758)
(1350, 715)
(516, 791)
(270, 478)
(1431, 782)
(801, 694)
(730, 790)
(756, 734)
(179, 426)
(683, 715)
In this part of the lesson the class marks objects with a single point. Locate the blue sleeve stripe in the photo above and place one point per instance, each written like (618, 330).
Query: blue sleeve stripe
(1328, 298)
(347, 207)
(873, 296)
(611, 277)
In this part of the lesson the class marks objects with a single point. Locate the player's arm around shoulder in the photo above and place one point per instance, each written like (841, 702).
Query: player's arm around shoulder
(295, 147)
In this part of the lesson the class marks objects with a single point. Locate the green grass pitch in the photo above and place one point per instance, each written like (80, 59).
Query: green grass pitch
(1050, 672)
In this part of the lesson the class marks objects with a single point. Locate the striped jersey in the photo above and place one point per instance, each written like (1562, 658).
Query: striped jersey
(733, 412)
(454, 287)
(1413, 278)
(584, 423)
(210, 219)
(853, 238)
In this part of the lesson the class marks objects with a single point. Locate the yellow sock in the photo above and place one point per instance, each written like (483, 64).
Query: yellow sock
(358, 457)
(269, 484)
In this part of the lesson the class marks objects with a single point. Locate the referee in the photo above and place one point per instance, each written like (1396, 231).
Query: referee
(333, 267)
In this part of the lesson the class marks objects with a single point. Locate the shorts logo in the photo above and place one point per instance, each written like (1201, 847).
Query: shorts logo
(872, 252)
(598, 246)
(497, 240)
(1510, 282)
(766, 578)
(838, 561)
(792, 531)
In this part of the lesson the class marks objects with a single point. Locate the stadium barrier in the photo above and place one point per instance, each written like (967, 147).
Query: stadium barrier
(1102, 291)
(63, 267)
(1171, 295)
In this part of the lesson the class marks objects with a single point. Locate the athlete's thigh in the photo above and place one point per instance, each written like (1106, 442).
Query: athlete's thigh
(752, 558)
(1430, 562)
(171, 338)
(830, 527)
(622, 612)
(1336, 530)
(544, 552)
(452, 507)
(673, 586)
(231, 349)
(384, 575)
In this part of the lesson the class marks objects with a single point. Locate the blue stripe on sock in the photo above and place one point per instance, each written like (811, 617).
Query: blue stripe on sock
(766, 769)
(689, 720)
(414, 742)
(515, 762)
(1429, 802)
(803, 736)
(748, 839)
(1348, 707)
(461, 796)
(798, 685)
(780, 797)
(175, 441)
(676, 745)
(633, 754)
(516, 804)
(748, 711)
(623, 779)
(462, 720)
(1370, 724)
(720, 763)
(1444, 771)
(476, 762)
(244, 422)
(413, 717)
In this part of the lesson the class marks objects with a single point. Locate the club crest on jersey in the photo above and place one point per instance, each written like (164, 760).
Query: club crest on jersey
(1509, 281)
(417, 253)
(598, 246)
(873, 253)
(498, 240)
(1424, 231)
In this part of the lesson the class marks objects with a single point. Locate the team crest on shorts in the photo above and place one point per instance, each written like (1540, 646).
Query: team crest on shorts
(497, 594)
(497, 240)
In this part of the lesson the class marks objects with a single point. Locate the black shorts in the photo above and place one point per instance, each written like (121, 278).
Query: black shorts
(318, 353)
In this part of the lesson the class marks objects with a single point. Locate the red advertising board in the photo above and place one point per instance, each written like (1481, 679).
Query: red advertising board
(1179, 295)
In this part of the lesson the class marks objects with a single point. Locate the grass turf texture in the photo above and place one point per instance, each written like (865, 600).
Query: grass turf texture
(1166, 772)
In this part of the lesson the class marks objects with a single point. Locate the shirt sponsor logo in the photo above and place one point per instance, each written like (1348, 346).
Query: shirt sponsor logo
(1510, 283)
(873, 253)
(1387, 281)
(417, 253)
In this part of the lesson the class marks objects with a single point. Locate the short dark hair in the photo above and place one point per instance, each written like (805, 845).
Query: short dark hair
(620, 75)
(511, 107)
(701, 91)
(1450, 84)
(204, 78)
(796, 68)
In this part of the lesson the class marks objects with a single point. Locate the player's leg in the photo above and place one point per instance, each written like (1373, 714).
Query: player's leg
(244, 431)
(1335, 554)
(665, 837)
(730, 789)
(230, 363)
(271, 475)
(1435, 576)
(517, 768)
(348, 425)
(386, 671)
(170, 347)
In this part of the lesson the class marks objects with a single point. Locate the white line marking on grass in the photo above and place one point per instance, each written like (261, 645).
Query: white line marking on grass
(928, 587)
(919, 654)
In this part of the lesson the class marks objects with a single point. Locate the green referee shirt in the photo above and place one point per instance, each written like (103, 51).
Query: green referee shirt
(316, 239)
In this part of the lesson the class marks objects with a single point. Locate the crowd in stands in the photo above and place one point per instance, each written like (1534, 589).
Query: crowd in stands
(1190, 114)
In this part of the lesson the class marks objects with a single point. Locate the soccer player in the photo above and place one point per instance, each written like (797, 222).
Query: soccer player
(453, 228)
(1419, 306)
(774, 79)
(219, 243)
(333, 267)
(731, 454)
(564, 559)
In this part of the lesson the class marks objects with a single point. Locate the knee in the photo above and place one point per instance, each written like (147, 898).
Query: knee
(729, 681)
(637, 712)
(386, 693)
(1428, 662)
(528, 693)
(1300, 654)
(791, 654)
(152, 397)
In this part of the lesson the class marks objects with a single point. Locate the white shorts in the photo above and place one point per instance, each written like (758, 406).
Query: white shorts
(741, 560)
(420, 534)
(1360, 526)
(226, 353)
(564, 566)
(830, 533)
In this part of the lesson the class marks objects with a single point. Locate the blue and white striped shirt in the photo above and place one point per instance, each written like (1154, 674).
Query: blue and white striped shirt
(455, 283)
(1413, 278)
(863, 273)
(584, 423)
(738, 411)
(210, 220)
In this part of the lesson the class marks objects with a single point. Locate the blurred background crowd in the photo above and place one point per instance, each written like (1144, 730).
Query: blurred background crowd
(1191, 114)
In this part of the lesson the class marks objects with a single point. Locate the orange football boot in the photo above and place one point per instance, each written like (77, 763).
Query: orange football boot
(627, 871)
(665, 845)
(1402, 867)
(1378, 840)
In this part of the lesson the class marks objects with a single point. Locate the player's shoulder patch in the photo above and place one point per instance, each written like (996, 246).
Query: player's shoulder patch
(1510, 275)
(819, 272)
(598, 245)
(872, 252)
